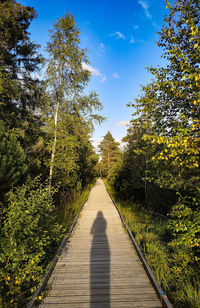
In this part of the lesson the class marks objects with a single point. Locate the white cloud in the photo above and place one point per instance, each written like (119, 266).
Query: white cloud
(123, 123)
(103, 79)
(145, 6)
(91, 69)
(118, 35)
(132, 40)
(94, 71)
(115, 75)
(102, 47)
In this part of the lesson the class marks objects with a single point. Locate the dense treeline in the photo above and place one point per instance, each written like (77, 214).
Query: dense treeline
(46, 154)
(160, 164)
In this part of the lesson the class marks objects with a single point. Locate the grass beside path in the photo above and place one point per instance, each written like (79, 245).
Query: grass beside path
(171, 266)
(68, 212)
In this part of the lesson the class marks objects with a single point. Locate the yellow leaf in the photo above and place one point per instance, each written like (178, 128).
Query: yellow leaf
(196, 45)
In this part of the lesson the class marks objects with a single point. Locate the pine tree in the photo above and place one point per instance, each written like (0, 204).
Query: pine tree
(21, 92)
(12, 160)
(109, 151)
(19, 59)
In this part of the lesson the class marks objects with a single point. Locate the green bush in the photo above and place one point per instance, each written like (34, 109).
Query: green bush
(29, 237)
(173, 265)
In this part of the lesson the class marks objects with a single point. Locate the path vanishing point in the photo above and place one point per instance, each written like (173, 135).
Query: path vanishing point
(99, 267)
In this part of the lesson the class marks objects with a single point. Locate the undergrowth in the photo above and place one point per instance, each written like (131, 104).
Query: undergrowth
(172, 266)
(32, 230)
(69, 210)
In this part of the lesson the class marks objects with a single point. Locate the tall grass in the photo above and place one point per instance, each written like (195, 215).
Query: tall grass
(68, 211)
(172, 267)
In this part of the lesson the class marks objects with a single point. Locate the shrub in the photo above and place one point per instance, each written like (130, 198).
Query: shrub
(29, 237)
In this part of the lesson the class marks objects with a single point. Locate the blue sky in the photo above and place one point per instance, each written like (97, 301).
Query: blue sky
(120, 37)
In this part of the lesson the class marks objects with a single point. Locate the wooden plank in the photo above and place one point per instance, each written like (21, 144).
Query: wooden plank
(114, 285)
(148, 304)
(101, 291)
(101, 298)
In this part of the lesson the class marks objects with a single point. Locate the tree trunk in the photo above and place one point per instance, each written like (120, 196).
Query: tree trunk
(59, 97)
(54, 144)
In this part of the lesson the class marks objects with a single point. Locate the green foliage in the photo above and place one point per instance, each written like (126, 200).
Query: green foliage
(160, 165)
(109, 152)
(185, 226)
(74, 158)
(48, 125)
(29, 237)
(21, 92)
(136, 177)
(66, 57)
(69, 207)
(173, 266)
(162, 154)
(19, 58)
(13, 160)
(70, 113)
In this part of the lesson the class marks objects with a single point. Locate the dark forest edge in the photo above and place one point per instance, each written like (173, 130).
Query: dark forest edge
(47, 161)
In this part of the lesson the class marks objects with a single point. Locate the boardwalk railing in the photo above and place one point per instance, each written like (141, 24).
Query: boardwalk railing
(161, 294)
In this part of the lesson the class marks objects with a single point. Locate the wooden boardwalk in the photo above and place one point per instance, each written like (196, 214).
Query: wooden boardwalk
(99, 267)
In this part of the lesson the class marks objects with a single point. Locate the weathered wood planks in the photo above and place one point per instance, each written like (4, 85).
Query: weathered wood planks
(99, 267)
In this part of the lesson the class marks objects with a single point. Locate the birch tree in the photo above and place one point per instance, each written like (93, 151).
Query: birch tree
(65, 71)
(67, 78)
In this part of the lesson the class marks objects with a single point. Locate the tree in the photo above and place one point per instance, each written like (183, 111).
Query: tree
(13, 164)
(109, 151)
(66, 81)
(170, 106)
(19, 59)
(21, 92)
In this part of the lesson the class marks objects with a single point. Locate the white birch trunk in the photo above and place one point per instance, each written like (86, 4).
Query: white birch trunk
(54, 143)
(55, 129)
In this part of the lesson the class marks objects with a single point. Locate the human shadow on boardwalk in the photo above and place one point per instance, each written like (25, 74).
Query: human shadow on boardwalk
(99, 265)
